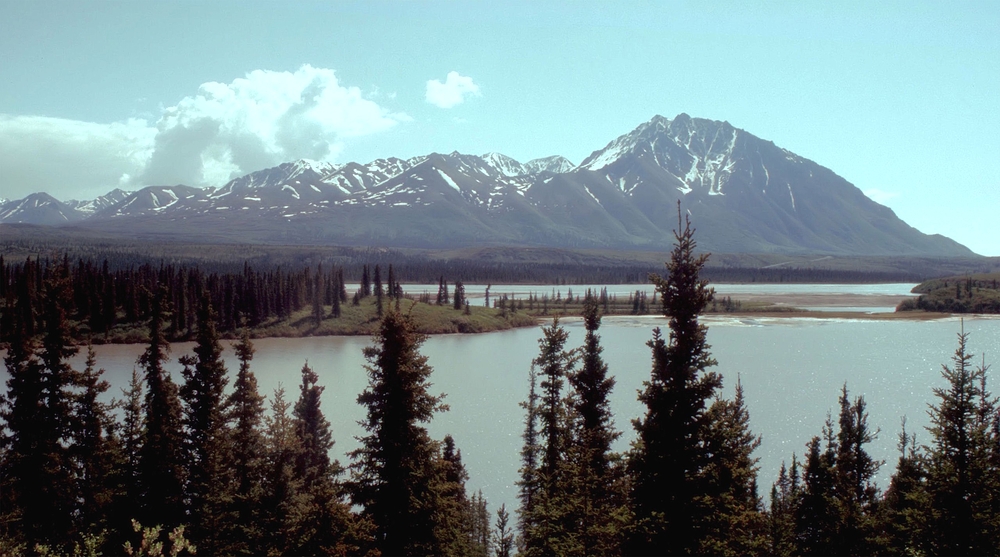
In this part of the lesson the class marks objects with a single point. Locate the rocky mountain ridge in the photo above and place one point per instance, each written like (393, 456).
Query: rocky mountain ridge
(743, 193)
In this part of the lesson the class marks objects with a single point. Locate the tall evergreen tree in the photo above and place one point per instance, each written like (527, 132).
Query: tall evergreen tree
(857, 494)
(327, 527)
(37, 473)
(391, 286)
(785, 496)
(459, 298)
(503, 536)
(209, 458)
(454, 523)
(366, 282)
(317, 299)
(668, 460)
(551, 525)
(903, 516)
(379, 293)
(962, 473)
(57, 488)
(246, 415)
(161, 456)
(393, 470)
(817, 515)
(285, 502)
(96, 451)
(529, 484)
(132, 435)
(736, 525)
(599, 486)
(343, 285)
(336, 300)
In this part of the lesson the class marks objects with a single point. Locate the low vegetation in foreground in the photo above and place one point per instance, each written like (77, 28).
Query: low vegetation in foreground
(979, 293)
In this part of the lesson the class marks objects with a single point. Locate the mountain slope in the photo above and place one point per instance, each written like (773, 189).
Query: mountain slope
(744, 194)
(39, 208)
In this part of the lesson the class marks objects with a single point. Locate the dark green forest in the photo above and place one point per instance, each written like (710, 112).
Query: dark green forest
(201, 466)
(974, 293)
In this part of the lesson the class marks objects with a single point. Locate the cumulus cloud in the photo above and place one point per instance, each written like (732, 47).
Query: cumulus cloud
(222, 131)
(69, 158)
(452, 92)
(258, 121)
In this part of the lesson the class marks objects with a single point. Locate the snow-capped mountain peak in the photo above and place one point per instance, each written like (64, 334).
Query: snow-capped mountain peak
(555, 164)
(747, 194)
(504, 164)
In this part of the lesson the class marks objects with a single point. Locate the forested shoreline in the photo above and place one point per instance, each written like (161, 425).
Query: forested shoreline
(201, 465)
(975, 293)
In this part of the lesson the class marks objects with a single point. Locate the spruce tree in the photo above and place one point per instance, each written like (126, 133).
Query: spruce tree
(459, 298)
(96, 451)
(736, 524)
(57, 489)
(551, 518)
(599, 497)
(905, 510)
(454, 524)
(161, 456)
(327, 521)
(857, 494)
(785, 497)
(817, 513)
(336, 298)
(529, 484)
(366, 282)
(285, 503)
(503, 536)
(317, 300)
(393, 470)
(391, 286)
(668, 460)
(26, 445)
(379, 293)
(342, 284)
(962, 472)
(207, 437)
(245, 408)
(132, 435)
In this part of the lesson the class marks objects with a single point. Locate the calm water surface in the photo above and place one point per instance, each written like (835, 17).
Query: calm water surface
(791, 369)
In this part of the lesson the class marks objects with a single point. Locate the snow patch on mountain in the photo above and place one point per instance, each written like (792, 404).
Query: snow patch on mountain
(447, 179)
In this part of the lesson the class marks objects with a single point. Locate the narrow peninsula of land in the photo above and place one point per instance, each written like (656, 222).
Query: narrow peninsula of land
(974, 293)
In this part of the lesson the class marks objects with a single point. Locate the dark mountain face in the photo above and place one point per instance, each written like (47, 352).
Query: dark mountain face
(39, 208)
(744, 194)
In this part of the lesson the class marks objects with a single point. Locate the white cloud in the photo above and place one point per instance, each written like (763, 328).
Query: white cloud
(452, 91)
(69, 158)
(222, 131)
(258, 121)
(880, 196)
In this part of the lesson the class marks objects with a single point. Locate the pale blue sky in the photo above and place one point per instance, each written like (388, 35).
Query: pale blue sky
(898, 98)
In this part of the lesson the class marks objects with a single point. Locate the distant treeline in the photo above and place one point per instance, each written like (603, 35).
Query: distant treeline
(486, 266)
(103, 298)
(117, 292)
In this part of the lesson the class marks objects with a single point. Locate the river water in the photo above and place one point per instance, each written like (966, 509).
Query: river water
(792, 370)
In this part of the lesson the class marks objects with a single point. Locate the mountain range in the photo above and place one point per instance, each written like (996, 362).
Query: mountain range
(742, 193)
